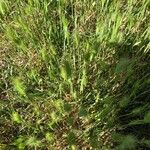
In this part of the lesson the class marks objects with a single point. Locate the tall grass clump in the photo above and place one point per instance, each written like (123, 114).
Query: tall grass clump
(74, 74)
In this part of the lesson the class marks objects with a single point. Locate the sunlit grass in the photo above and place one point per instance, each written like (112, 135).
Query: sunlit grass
(74, 74)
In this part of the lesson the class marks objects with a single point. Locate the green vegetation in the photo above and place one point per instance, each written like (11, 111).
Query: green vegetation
(74, 75)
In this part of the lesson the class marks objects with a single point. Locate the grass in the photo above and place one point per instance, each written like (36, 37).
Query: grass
(74, 75)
